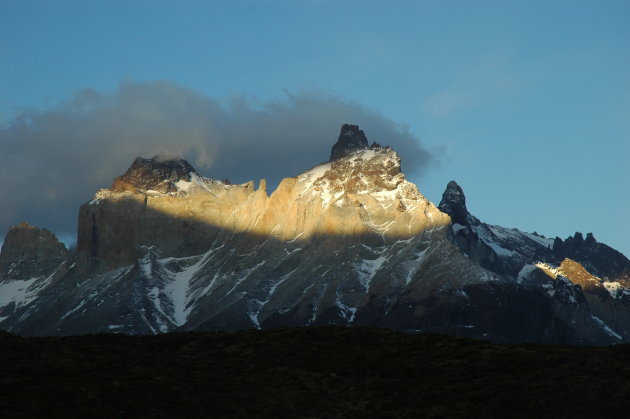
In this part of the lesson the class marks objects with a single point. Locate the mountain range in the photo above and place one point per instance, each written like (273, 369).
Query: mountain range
(349, 242)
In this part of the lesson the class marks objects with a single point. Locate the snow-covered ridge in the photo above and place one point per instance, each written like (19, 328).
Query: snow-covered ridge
(22, 292)
(201, 182)
(505, 241)
(374, 172)
(488, 236)
(552, 271)
(514, 234)
(183, 187)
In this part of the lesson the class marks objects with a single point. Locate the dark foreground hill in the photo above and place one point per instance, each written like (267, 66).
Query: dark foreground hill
(307, 372)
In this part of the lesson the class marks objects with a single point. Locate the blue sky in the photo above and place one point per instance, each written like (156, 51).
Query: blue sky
(526, 104)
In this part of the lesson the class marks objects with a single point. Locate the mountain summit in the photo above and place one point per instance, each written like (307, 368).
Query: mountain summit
(158, 173)
(351, 139)
(454, 203)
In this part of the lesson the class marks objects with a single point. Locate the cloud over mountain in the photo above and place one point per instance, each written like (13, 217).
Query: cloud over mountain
(54, 159)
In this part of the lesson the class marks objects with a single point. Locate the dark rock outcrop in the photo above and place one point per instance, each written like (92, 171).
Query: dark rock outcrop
(351, 139)
(158, 174)
(474, 238)
(29, 251)
(454, 203)
(499, 249)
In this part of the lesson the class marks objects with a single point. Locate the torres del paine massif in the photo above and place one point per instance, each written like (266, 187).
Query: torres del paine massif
(348, 242)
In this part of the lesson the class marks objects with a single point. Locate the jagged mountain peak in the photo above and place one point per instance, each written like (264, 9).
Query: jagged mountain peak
(159, 173)
(454, 203)
(351, 139)
(24, 236)
(597, 257)
(355, 167)
(28, 250)
(375, 171)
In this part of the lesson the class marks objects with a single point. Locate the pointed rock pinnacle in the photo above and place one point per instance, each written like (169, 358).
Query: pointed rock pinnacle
(351, 139)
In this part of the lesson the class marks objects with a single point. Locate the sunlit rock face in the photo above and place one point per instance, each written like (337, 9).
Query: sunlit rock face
(361, 194)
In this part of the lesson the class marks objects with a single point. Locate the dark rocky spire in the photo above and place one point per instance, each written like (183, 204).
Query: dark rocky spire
(454, 203)
(351, 139)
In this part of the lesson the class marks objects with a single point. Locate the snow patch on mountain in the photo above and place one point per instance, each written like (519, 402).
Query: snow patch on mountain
(24, 291)
(178, 288)
(552, 271)
(367, 268)
(244, 275)
(16, 291)
(487, 236)
(154, 296)
(516, 235)
(347, 312)
(253, 313)
(308, 178)
(525, 272)
(200, 182)
(606, 328)
(616, 290)
(413, 266)
(352, 175)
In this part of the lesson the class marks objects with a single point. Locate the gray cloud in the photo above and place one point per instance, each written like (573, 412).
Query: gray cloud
(55, 159)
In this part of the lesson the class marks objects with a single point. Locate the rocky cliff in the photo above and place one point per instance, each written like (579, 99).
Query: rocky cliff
(31, 260)
(362, 194)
